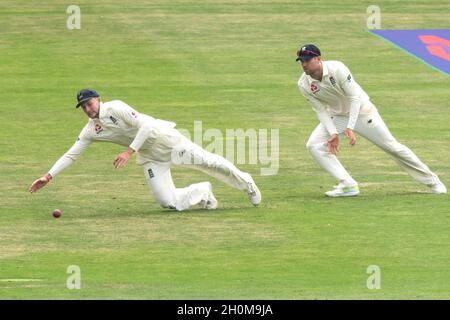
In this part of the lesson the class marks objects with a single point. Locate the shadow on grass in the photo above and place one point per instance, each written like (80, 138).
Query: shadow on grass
(169, 212)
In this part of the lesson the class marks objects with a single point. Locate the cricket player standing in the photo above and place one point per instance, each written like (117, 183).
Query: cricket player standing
(343, 107)
(158, 146)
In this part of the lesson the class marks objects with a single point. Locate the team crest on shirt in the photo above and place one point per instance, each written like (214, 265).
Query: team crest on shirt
(134, 114)
(314, 88)
(98, 128)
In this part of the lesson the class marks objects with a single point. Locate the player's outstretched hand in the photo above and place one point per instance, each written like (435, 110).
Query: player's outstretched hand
(122, 158)
(333, 144)
(351, 135)
(39, 183)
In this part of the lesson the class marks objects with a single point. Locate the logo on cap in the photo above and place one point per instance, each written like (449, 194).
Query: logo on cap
(307, 52)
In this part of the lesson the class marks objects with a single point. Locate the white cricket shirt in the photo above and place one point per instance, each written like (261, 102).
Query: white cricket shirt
(336, 94)
(119, 123)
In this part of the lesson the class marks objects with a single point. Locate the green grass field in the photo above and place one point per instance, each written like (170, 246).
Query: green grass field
(231, 65)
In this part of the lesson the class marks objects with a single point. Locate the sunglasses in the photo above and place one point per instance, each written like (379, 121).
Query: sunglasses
(307, 52)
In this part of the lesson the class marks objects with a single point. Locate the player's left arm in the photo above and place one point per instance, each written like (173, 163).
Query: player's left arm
(123, 158)
(350, 89)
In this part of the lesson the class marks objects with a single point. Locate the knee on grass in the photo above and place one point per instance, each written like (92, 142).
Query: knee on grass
(166, 202)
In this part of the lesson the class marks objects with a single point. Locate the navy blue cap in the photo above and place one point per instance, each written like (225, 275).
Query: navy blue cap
(307, 51)
(84, 95)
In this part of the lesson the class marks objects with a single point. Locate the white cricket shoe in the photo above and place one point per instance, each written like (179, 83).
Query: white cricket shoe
(342, 190)
(252, 190)
(438, 188)
(211, 202)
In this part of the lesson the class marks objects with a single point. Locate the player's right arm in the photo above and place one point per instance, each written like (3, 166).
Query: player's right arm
(321, 111)
(65, 161)
(133, 119)
(325, 120)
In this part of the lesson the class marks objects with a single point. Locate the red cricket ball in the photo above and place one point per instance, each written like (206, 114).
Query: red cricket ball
(57, 213)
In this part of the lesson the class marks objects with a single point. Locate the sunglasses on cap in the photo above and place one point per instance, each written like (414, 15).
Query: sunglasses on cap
(307, 52)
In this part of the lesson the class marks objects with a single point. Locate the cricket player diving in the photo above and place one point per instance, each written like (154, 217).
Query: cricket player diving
(343, 108)
(158, 145)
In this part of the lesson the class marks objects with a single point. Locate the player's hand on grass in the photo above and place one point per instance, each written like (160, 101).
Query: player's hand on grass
(351, 135)
(333, 144)
(122, 158)
(39, 183)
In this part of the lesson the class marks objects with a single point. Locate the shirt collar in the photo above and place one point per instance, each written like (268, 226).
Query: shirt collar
(324, 69)
(101, 112)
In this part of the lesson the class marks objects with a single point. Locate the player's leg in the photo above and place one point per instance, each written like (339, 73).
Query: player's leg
(167, 195)
(374, 129)
(318, 148)
(189, 154)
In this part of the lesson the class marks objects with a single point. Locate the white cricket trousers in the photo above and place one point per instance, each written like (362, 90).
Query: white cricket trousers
(188, 154)
(373, 128)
